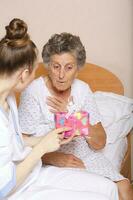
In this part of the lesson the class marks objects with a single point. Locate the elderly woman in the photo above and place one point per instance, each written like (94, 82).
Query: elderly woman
(63, 56)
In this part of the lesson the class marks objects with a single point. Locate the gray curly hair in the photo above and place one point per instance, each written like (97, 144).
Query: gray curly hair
(64, 43)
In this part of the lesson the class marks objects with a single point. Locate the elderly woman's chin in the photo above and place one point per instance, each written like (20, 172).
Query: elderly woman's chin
(61, 87)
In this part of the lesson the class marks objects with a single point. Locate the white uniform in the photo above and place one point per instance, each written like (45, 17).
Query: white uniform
(43, 183)
(12, 149)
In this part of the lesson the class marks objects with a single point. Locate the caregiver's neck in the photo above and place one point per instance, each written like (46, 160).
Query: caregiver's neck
(4, 93)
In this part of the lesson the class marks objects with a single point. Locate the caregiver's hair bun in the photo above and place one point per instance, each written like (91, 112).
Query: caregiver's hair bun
(17, 50)
(17, 29)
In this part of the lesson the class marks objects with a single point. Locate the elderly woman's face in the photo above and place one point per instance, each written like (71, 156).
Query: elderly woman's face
(62, 71)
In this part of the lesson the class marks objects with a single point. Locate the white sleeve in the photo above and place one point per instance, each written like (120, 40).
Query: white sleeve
(7, 167)
(91, 107)
(31, 117)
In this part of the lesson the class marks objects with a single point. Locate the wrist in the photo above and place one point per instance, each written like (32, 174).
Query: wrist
(39, 150)
(88, 138)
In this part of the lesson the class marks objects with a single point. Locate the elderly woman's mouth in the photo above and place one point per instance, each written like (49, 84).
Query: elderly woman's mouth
(61, 82)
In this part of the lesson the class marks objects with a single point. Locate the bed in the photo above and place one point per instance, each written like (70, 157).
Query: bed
(100, 79)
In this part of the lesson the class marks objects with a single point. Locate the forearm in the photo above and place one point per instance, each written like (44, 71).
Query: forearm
(31, 140)
(97, 137)
(60, 159)
(25, 167)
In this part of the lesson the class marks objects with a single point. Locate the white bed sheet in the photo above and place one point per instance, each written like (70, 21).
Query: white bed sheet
(115, 152)
(58, 194)
(66, 183)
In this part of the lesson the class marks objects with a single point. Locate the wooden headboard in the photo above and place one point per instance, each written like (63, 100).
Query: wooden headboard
(97, 77)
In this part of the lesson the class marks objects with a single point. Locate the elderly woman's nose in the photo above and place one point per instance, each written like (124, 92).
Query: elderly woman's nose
(61, 73)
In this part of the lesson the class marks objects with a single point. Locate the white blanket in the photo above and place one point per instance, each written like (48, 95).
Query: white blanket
(49, 193)
(67, 183)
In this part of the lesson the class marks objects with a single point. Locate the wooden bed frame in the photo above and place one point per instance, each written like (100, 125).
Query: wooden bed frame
(100, 79)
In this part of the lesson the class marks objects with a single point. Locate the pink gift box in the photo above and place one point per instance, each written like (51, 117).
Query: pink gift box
(78, 121)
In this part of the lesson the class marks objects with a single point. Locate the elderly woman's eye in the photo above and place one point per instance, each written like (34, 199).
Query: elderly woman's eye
(69, 67)
(56, 66)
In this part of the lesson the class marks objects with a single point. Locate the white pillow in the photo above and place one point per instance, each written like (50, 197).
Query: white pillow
(116, 114)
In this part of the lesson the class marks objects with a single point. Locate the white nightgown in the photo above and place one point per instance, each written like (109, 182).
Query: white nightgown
(35, 118)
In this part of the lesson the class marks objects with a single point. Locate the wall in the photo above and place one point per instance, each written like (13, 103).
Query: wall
(105, 27)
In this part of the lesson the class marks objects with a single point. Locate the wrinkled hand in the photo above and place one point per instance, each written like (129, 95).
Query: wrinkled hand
(69, 160)
(57, 104)
(63, 160)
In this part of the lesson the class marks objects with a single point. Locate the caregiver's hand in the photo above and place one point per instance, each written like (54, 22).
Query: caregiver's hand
(57, 104)
(62, 160)
(53, 140)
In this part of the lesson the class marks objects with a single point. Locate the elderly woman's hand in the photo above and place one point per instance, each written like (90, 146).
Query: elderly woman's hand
(60, 159)
(57, 104)
(97, 136)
